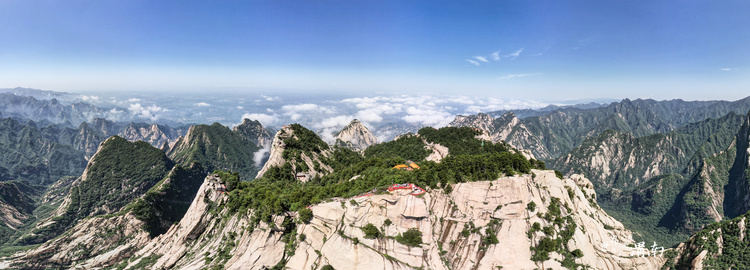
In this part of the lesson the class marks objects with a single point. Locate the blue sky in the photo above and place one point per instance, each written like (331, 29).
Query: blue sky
(540, 50)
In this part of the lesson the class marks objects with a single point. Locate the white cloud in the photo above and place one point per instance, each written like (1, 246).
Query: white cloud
(473, 62)
(513, 76)
(494, 104)
(265, 119)
(145, 112)
(371, 116)
(202, 104)
(297, 111)
(336, 121)
(363, 103)
(305, 108)
(131, 100)
(90, 98)
(515, 54)
(726, 69)
(261, 155)
(428, 116)
(240, 107)
(331, 125)
(458, 99)
(481, 58)
(114, 114)
(372, 109)
(267, 98)
(495, 56)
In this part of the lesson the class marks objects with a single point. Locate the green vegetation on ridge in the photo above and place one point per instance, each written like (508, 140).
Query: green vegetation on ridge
(277, 192)
(168, 201)
(121, 172)
(216, 147)
(408, 147)
(725, 242)
(27, 155)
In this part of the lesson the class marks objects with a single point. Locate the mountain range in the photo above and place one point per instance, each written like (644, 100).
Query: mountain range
(559, 187)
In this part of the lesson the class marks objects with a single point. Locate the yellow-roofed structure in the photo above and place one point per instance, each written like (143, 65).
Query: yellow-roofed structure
(401, 166)
(410, 165)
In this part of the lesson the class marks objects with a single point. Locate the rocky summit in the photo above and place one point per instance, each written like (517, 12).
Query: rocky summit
(355, 136)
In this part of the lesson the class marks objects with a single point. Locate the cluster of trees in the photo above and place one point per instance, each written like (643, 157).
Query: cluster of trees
(732, 254)
(411, 237)
(306, 140)
(371, 232)
(168, 201)
(555, 242)
(408, 147)
(277, 191)
(461, 141)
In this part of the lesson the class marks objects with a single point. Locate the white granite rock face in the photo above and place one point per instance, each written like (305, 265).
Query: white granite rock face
(355, 136)
(334, 236)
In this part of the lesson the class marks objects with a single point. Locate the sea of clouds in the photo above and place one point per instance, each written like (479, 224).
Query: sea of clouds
(385, 115)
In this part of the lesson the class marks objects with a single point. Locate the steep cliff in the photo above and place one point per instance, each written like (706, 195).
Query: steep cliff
(738, 188)
(721, 245)
(105, 239)
(298, 150)
(479, 225)
(673, 183)
(16, 204)
(254, 132)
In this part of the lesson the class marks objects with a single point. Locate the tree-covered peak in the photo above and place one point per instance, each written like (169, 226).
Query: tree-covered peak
(304, 139)
(216, 147)
(120, 172)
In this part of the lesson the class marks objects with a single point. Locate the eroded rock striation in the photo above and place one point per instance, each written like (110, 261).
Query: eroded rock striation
(456, 231)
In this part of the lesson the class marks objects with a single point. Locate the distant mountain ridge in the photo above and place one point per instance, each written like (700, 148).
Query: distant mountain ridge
(59, 108)
(27, 154)
(556, 133)
(51, 111)
(155, 134)
(660, 177)
(36, 93)
(524, 113)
